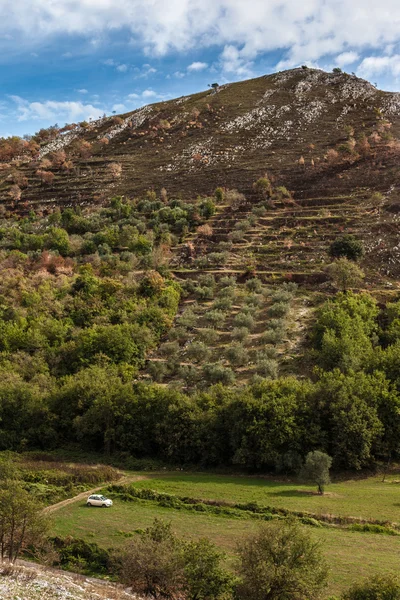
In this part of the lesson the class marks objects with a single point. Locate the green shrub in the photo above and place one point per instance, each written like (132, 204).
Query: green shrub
(204, 292)
(188, 319)
(198, 352)
(215, 317)
(254, 285)
(378, 587)
(208, 336)
(281, 295)
(280, 309)
(236, 236)
(240, 333)
(157, 370)
(347, 246)
(244, 320)
(272, 336)
(224, 303)
(169, 349)
(180, 334)
(267, 368)
(217, 373)
(227, 281)
(372, 528)
(237, 355)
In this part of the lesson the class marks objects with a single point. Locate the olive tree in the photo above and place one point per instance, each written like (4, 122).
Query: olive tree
(316, 469)
(279, 562)
(22, 523)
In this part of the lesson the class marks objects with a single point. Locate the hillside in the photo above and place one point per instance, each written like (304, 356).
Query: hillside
(229, 138)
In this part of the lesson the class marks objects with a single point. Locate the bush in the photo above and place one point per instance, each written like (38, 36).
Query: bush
(237, 355)
(223, 304)
(259, 211)
(272, 336)
(208, 336)
(262, 187)
(244, 320)
(281, 295)
(227, 292)
(169, 349)
(253, 300)
(187, 319)
(227, 281)
(215, 317)
(280, 309)
(345, 274)
(379, 587)
(347, 246)
(254, 285)
(217, 373)
(240, 333)
(180, 334)
(204, 292)
(267, 368)
(198, 352)
(280, 561)
(236, 236)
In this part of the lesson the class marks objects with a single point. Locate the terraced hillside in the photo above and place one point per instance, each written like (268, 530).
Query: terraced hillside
(316, 133)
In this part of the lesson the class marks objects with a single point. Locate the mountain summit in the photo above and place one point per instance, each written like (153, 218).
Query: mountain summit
(312, 131)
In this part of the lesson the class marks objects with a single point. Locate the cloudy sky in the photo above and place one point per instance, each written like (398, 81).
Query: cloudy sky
(69, 60)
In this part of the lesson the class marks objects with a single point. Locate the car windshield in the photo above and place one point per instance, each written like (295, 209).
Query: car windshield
(102, 498)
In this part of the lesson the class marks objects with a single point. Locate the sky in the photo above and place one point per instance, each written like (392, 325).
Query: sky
(64, 61)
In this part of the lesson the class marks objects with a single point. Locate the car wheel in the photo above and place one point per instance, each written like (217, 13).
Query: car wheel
(104, 505)
(88, 504)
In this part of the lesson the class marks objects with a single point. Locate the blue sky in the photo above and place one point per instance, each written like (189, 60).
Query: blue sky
(68, 60)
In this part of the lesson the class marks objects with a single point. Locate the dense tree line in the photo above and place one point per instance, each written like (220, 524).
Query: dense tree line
(85, 393)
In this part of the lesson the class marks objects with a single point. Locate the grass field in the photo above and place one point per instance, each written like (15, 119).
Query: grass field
(362, 498)
(351, 555)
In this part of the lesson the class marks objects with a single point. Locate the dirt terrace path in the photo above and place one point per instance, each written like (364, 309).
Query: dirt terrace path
(83, 495)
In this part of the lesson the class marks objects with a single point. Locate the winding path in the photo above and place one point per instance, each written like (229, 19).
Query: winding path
(83, 495)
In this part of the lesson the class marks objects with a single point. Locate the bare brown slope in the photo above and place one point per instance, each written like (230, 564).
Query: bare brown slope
(230, 138)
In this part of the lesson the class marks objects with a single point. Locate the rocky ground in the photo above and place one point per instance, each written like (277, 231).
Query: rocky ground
(38, 583)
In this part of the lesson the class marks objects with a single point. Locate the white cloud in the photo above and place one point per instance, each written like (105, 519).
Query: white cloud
(122, 68)
(233, 61)
(346, 58)
(149, 94)
(307, 30)
(380, 65)
(179, 74)
(120, 108)
(197, 66)
(82, 91)
(51, 110)
(133, 96)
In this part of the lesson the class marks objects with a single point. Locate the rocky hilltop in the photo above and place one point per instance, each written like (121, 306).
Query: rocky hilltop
(314, 132)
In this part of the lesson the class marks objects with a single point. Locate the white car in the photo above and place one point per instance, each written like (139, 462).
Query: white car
(97, 500)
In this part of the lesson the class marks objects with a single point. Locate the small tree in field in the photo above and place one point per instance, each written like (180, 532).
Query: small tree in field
(151, 563)
(280, 562)
(22, 523)
(316, 469)
(379, 587)
(345, 274)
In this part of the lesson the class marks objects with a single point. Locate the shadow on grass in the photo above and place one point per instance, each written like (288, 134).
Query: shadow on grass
(293, 493)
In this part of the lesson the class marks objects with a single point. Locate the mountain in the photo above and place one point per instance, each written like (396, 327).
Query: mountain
(230, 137)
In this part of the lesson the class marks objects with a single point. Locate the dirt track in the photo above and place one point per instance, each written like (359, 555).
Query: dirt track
(84, 495)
